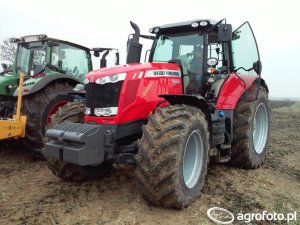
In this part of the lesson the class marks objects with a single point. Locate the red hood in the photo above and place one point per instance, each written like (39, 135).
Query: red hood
(130, 68)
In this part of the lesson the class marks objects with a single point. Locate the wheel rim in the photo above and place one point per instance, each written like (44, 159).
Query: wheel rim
(260, 128)
(193, 159)
(54, 109)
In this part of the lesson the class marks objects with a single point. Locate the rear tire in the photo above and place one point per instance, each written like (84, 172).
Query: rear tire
(38, 107)
(251, 132)
(73, 112)
(173, 156)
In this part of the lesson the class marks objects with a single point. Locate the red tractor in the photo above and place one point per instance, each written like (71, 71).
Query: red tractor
(200, 96)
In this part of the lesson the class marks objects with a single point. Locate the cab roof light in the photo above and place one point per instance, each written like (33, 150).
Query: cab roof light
(203, 23)
(195, 24)
(154, 30)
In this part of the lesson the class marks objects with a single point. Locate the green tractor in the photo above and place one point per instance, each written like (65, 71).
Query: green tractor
(52, 69)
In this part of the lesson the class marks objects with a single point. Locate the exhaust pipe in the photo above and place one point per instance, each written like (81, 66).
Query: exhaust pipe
(134, 48)
(137, 32)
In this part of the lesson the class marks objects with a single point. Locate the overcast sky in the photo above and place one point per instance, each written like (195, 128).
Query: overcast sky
(96, 23)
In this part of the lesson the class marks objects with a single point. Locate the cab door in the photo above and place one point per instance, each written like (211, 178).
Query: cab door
(246, 69)
(244, 50)
(246, 59)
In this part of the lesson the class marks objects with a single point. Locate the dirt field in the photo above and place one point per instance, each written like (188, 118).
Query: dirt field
(30, 194)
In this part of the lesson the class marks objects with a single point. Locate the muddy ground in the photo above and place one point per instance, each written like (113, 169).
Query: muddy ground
(30, 194)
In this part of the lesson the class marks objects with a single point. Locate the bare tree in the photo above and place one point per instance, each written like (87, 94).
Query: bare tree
(8, 52)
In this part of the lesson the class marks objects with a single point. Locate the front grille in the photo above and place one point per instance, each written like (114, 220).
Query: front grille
(103, 95)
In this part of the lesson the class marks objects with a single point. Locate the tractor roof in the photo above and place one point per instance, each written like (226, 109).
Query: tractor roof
(44, 37)
(187, 23)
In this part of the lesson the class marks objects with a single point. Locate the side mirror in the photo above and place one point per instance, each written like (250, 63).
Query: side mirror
(257, 67)
(225, 33)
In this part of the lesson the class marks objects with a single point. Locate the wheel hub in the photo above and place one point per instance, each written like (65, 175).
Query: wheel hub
(260, 128)
(193, 159)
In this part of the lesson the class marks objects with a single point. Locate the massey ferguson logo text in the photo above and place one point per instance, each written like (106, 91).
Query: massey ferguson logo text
(157, 73)
(166, 73)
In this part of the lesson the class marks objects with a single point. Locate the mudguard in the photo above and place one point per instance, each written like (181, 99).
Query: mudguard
(193, 100)
(235, 86)
(35, 84)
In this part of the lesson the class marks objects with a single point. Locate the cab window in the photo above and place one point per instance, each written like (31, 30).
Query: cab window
(72, 60)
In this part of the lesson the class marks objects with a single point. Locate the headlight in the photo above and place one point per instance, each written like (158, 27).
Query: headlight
(111, 78)
(110, 111)
(87, 111)
(101, 80)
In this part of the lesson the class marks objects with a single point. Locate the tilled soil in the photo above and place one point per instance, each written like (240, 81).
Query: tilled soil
(31, 194)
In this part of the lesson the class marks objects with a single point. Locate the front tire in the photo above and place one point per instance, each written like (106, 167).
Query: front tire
(251, 131)
(173, 156)
(73, 112)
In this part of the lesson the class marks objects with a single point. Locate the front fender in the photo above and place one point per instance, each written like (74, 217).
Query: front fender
(33, 85)
(193, 100)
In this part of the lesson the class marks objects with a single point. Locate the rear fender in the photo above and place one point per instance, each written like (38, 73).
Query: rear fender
(237, 86)
(232, 89)
(264, 84)
(33, 85)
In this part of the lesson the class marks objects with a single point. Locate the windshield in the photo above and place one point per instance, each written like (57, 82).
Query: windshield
(180, 46)
(186, 48)
(31, 57)
(72, 60)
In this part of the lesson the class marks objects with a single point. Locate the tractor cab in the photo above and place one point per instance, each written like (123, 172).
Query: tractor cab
(207, 52)
(38, 55)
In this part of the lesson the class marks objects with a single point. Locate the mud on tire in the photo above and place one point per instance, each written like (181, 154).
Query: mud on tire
(73, 112)
(36, 107)
(251, 131)
(173, 156)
